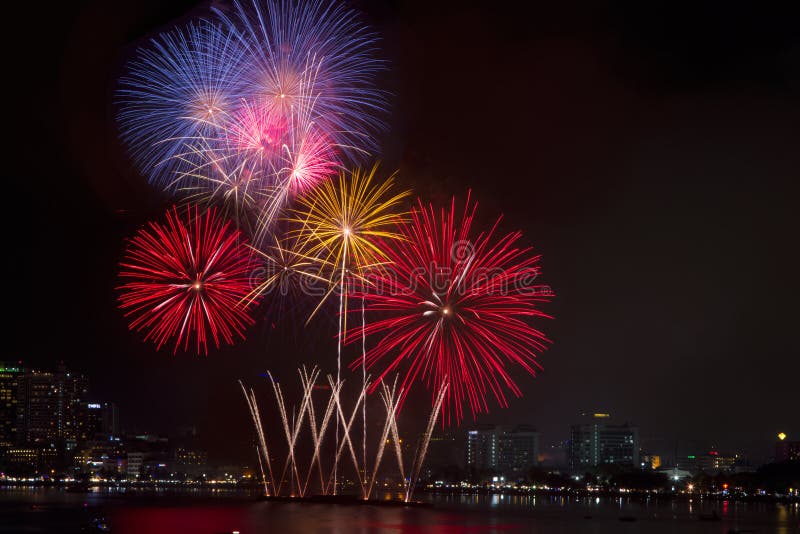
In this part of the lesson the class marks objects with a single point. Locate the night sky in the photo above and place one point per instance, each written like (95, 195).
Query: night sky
(648, 152)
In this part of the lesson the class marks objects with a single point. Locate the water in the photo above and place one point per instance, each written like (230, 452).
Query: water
(52, 510)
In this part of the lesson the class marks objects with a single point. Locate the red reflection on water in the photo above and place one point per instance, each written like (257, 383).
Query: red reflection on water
(176, 520)
(439, 529)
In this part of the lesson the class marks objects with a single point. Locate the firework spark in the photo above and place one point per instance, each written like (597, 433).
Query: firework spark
(455, 307)
(187, 279)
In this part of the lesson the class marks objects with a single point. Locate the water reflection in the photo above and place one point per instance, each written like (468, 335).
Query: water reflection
(542, 513)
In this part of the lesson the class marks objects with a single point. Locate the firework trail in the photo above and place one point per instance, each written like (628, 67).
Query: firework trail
(318, 434)
(292, 431)
(252, 405)
(187, 278)
(456, 304)
(390, 397)
(347, 424)
(422, 450)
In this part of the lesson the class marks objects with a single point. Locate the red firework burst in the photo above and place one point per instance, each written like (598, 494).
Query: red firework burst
(455, 306)
(187, 278)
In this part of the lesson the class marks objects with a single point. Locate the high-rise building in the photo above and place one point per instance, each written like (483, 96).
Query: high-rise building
(786, 450)
(519, 450)
(72, 392)
(482, 448)
(102, 421)
(10, 413)
(597, 442)
(509, 452)
(40, 408)
(54, 408)
(715, 462)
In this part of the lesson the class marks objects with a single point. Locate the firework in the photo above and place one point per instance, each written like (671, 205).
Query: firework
(346, 222)
(315, 50)
(187, 279)
(455, 308)
(248, 111)
(177, 89)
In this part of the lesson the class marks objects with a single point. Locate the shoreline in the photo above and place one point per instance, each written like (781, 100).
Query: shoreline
(254, 493)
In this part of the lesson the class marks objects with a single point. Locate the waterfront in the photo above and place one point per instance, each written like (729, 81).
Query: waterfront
(212, 512)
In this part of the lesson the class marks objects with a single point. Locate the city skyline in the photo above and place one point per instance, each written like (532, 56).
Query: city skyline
(35, 418)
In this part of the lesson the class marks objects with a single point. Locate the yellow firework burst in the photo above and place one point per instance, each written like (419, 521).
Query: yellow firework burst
(345, 222)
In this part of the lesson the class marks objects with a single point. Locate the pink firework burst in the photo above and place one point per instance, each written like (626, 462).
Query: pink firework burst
(309, 159)
(454, 305)
(187, 279)
(257, 129)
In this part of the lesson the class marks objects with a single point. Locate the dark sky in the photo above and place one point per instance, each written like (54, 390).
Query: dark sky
(647, 149)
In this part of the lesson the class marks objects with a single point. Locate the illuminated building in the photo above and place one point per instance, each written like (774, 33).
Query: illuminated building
(135, 461)
(102, 421)
(54, 408)
(786, 450)
(597, 442)
(650, 461)
(10, 413)
(105, 456)
(482, 448)
(508, 452)
(40, 408)
(716, 462)
(192, 462)
(29, 460)
(712, 462)
(518, 451)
